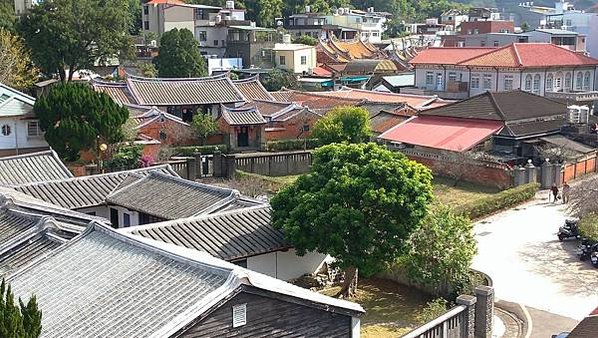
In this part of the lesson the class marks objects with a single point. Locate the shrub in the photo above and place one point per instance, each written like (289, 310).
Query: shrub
(432, 310)
(126, 157)
(588, 226)
(502, 200)
(285, 145)
(204, 150)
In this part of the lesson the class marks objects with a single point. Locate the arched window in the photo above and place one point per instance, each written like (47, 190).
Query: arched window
(537, 84)
(6, 130)
(578, 82)
(558, 82)
(567, 82)
(586, 81)
(549, 82)
(528, 83)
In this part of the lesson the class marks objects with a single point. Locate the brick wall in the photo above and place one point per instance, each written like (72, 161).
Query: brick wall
(176, 134)
(291, 129)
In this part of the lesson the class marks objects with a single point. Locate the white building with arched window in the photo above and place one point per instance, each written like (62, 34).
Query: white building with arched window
(539, 68)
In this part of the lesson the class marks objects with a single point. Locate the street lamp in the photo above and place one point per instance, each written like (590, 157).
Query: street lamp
(103, 147)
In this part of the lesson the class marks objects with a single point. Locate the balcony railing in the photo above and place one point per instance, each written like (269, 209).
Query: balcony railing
(573, 96)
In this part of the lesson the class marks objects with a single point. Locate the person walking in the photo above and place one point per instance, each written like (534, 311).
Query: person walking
(555, 193)
(566, 192)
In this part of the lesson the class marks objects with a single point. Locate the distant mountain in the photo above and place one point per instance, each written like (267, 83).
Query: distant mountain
(523, 14)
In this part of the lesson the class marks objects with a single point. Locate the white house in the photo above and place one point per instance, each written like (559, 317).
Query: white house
(540, 68)
(296, 58)
(19, 129)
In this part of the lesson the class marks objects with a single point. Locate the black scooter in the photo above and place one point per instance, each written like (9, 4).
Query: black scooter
(570, 229)
(594, 258)
(586, 248)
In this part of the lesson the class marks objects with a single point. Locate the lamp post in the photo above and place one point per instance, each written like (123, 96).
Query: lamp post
(103, 147)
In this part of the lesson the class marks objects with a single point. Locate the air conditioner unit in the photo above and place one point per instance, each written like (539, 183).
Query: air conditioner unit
(579, 114)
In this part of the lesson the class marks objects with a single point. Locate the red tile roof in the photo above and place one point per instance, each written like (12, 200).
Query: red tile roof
(516, 55)
(444, 133)
(416, 101)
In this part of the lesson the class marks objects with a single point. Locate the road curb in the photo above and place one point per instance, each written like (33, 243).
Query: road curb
(519, 312)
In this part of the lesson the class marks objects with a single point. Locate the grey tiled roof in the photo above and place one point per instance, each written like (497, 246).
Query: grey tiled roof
(33, 167)
(242, 116)
(169, 92)
(86, 191)
(228, 235)
(171, 197)
(28, 250)
(252, 89)
(118, 91)
(13, 224)
(99, 285)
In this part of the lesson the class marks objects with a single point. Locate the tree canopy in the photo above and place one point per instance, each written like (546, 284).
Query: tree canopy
(278, 79)
(441, 251)
(359, 204)
(204, 125)
(306, 40)
(343, 124)
(7, 15)
(76, 34)
(18, 320)
(179, 55)
(16, 69)
(76, 118)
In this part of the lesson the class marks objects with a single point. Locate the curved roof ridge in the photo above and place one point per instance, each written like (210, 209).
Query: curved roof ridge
(169, 79)
(252, 78)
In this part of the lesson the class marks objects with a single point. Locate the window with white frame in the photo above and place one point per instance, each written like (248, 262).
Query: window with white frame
(508, 82)
(549, 82)
(586, 81)
(579, 81)
(239, 315)
(475, 82)
(487, 81)
(303, 59)
(282, 60)
(558, 82)
(429, 78)
(567, 81)
(537, 84)
(452, 77)
(202, 36)
(528, 83)
(33, 129)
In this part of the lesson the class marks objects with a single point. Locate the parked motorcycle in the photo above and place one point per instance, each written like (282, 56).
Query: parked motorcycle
(570, 229)
(594, 259)
(586, 248)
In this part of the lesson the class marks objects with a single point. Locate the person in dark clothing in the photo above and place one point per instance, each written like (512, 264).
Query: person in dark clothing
(555, 193)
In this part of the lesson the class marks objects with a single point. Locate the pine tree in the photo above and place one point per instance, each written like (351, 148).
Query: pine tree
(23, 321)
(179, 55)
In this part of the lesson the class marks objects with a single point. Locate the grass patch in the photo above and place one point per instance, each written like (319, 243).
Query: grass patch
(391, 309)
(461, 194)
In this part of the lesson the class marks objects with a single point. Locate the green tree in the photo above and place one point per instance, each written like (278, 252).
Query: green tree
(134, 7)
(278, 79)
(18, 321)
(69, 35)
(16, 69)
(126, 157)
(343, 124)
(179, 55)
(306, 40)
(441, 251)
(204, 126)
(7, 15)
(75, 118)
(268, 11)
(525, 27)
(147, 69)
(359, 204)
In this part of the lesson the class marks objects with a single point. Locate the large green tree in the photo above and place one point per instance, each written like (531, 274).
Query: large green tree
(359, 204)
(16, 69)
(343, 124)
(268, 11)
(7, 15)
(277, 79)
(18, 320)
(69, 35)
(441, 251)
(179, 55)
(75, 118)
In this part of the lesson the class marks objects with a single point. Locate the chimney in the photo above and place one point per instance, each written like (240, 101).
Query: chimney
(286, 38)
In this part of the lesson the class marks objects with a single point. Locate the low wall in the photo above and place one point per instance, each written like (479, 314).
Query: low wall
(267, 164)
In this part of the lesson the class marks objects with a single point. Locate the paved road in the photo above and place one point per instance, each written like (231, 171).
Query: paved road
(520, 251)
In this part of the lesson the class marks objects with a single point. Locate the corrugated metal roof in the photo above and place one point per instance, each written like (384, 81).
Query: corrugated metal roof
(33, 167)
(444, 133)
(170, 197)
(229, 235)
(170, 92)
(86, 191)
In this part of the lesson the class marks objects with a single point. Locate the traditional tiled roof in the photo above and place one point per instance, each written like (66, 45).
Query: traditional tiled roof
(416, 101)
(252, 89)
(229, 235)
(516, 55)
(242, 116)
(142, 116)
(195, 91)
(542, 127)
(110, 284)
(369, 66)
(118, 91)
(14, 102)
(345, 51)
(32, 167)
(503, 106)
(384, 120)
(588, 326)
(268, 108)
(565, 143)
(85, 191)
(154, 195)
(282, 95)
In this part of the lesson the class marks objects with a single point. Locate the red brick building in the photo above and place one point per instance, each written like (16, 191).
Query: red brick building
(242, 128)
(483, 27)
